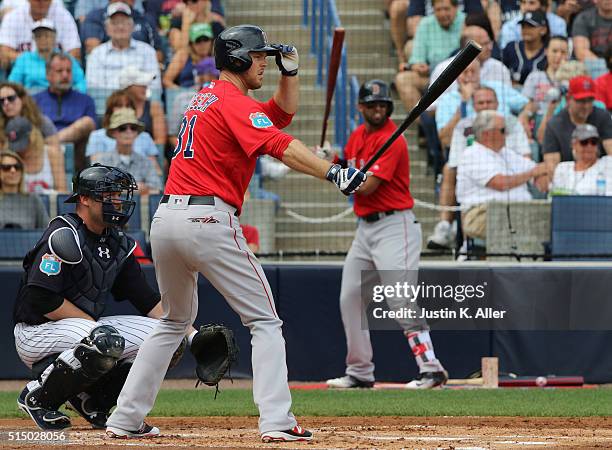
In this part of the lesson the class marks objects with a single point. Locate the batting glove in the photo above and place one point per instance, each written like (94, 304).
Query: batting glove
(348, 180)
(287, 59)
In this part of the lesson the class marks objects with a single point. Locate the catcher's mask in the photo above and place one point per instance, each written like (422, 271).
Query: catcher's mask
(112, 187)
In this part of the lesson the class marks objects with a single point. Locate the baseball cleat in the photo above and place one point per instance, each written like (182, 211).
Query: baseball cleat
(145, 431)
(45, 419)
(83, 405)
(297, 433)
(348, 382)
(443, 236)
(428, 380)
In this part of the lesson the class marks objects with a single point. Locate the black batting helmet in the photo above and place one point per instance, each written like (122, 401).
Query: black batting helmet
(376, 91)
(97, 180)
(233, 45)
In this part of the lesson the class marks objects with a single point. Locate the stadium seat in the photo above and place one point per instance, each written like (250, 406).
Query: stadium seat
(46, 201)
(14, 244)
(69, 162)
(134, 223)
(581, 225)
(153, 204)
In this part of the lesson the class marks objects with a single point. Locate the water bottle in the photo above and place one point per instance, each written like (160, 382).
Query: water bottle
(600, 184)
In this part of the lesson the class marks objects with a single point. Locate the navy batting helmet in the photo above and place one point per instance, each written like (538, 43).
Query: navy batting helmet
(98, 180)
(376, 91)
(233, 45)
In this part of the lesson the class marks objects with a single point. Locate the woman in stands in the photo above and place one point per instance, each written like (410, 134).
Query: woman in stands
(18, 209)
(538, 85)
(15, 102)
(99, 142)
(44, 169)
(195, 11)
(181, 70)
(528, 54)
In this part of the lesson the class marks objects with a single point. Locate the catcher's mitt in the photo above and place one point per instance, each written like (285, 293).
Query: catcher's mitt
(215, 350)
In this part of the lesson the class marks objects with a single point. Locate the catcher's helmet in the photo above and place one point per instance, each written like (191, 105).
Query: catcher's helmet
(233, 45)
(98, 180)
(376, 91)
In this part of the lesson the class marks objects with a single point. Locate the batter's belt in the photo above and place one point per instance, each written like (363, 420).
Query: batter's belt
(207, 200)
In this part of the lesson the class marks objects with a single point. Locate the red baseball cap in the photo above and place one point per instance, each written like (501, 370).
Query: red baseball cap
(581, 87)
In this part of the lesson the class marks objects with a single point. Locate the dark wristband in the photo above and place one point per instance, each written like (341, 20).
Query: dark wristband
(332, 172)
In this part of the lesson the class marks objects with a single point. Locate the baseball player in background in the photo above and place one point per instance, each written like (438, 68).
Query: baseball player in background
(79, 357)
(196, 227)
(388, 238)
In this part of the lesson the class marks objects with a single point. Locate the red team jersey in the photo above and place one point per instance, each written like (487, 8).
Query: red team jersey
(222, 133)
(393, 168)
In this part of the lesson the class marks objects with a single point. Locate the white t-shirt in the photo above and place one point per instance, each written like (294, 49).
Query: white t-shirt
(516, 139)
(16, 28)
(568, 181)
(491, 70)
(535, 88)
(479, 165)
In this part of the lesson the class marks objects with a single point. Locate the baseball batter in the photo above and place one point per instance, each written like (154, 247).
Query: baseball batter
(82, 358)
(196, 227)
(388, 238)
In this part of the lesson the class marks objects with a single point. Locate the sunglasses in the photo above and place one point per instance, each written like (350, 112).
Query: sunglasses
(8, 167)
(591, 141)
(123, 128)
(8, 98)
(191, 1)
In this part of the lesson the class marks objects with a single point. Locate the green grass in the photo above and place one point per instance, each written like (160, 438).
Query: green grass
(502, 402)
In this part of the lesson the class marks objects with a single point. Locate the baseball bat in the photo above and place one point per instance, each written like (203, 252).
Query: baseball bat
(332, 74)
(446, 78)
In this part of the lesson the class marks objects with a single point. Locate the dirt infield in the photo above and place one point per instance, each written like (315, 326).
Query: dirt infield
(353, 432)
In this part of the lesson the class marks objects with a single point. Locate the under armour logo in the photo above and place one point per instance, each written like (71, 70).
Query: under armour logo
(104, 252)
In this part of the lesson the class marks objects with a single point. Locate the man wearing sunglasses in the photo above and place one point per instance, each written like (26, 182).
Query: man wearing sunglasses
(489, 171)
(557, 145)
(77, 356)
(124, 127)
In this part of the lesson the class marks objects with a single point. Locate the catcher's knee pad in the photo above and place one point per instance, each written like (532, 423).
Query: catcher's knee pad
(99, 352)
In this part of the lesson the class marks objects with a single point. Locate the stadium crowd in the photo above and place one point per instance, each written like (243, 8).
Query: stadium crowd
(545, 67)
(92, 80)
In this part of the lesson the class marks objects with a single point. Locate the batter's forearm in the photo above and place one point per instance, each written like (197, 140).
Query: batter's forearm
(300, 158)
(287, 95)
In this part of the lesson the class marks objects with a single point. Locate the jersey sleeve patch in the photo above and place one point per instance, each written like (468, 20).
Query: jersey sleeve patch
(50, 264)
(260, 120)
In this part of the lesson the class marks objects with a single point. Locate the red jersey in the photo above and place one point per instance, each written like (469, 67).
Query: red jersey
(222, 133)
(603, 89)
(393, 168)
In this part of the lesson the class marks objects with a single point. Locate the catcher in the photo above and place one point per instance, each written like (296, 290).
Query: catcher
(78, 357)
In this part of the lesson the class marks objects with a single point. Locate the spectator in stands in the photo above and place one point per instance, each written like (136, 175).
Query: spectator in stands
(93, 32)
(524, 56)
(150, 112)
(435, 35)
(579, 177)
(124, 127)
(491, 69)
(29, 69)
(195, 11)
(457, 104)
(73, 113)
(206, 71)
(579, 111)
(539, 83)
(99, 142)
(14, 102)
(489, 171)
(44, 166)
(482, 20)
(18, 209)
(592, 31)
(603, 84)
(484, 99)
(511, 30)
(16, 29)
(569, 9)
(180, 71)
(107, 60)
(83, 7)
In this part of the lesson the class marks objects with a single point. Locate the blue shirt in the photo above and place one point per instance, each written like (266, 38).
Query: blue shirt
(99, 142)
(67, 109)
(511, 30)
(509, 99)
(515, 59)
(30, 71)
